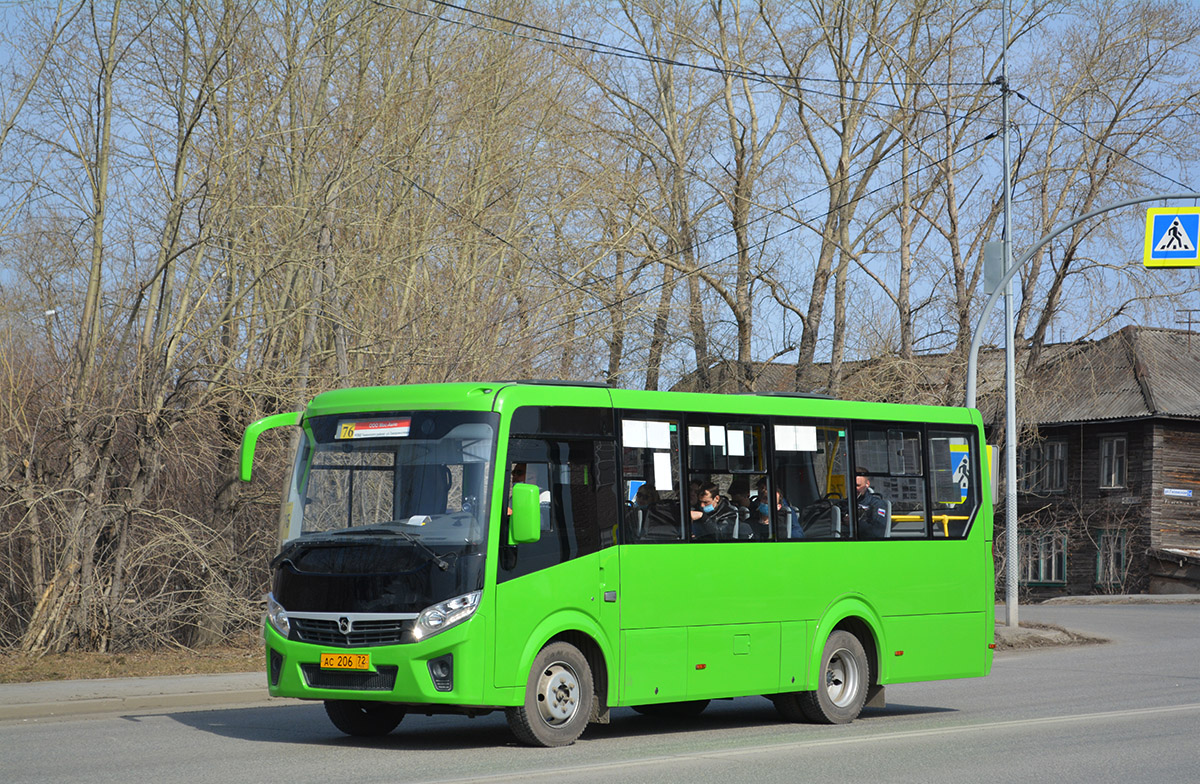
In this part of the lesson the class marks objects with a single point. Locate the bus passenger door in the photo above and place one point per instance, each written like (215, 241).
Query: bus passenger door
(568, 580)
(655, 581)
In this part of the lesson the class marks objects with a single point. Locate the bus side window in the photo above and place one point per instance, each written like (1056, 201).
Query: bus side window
(890, 456)
(810, 472)
(954, 481)
(652, 501)
(577, 479)
(726, 458)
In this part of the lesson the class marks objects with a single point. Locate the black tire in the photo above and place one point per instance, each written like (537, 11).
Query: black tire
(845, 675)
(675, 710)
(558, 698)
(788, 706)
(363, 719)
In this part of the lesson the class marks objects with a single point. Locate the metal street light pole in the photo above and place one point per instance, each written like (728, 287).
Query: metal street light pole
(1010, 362)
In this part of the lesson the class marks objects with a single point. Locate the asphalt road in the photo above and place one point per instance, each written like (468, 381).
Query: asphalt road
(1126, 711)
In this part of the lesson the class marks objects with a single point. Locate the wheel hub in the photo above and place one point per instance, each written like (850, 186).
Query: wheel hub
(557, 694)
(841, 678)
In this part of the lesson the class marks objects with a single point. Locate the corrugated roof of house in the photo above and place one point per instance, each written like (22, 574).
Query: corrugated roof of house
(1135, 372)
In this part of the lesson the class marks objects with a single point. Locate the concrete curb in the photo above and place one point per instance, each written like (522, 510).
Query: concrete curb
(1157, 598)
(56, 699)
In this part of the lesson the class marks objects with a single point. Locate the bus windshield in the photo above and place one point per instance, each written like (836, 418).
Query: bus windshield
(423, 474)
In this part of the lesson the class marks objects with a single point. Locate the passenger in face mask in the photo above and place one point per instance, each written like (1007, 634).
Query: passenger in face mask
(717, 516)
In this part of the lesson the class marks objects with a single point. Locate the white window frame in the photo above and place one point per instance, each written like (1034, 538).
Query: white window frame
(1044, 468)
(1114, 462)
(1043, 557)
(1110, 557)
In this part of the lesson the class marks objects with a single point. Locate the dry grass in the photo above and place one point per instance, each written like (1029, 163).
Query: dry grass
(23, 668)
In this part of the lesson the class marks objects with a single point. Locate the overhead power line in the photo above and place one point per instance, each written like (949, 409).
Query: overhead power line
(577, 43)
(1078, 129)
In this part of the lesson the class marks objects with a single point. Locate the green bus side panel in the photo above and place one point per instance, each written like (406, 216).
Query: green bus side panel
(795, 643)
(703, 662)
(655, 666)
(753, 582)
(533, 608)
(935, 647)
(732, 660)
(807, 588)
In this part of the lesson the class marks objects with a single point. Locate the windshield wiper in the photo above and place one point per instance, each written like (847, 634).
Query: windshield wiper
(392, 531)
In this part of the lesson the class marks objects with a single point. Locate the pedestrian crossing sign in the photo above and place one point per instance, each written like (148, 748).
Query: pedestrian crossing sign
(1172, 237)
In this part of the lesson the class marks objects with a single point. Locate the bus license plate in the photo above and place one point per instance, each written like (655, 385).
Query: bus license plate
(345, 661)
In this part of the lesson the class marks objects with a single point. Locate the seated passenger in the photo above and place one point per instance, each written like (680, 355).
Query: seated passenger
(739, 497)
(717, 516)
(783, 509)
(639, 513)
(872, 514)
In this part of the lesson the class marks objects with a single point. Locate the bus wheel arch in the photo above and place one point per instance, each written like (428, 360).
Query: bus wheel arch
(845, 670)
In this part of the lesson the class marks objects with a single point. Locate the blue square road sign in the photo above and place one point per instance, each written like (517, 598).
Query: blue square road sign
(1172, 237)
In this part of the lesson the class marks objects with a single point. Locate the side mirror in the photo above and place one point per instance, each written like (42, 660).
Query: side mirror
(525, 524)
(250, 438)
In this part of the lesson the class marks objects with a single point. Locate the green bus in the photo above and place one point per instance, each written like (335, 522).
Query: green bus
(559, 549)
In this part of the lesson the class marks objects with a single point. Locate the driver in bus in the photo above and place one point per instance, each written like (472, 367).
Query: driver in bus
(872, 508)
(717, 515)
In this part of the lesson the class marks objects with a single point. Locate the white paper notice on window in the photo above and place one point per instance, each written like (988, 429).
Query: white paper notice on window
(662, 472)
(696, 436)
(633, 433)
(658, 435)
(716, 435)
(795, 438)
(737, 443)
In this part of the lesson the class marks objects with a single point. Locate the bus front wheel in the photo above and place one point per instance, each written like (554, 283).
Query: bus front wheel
(363, 719)
(558, 698)
(844, 677)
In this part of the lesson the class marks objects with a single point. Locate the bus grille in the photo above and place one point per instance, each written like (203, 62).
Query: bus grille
(384, 680)
(323, 632)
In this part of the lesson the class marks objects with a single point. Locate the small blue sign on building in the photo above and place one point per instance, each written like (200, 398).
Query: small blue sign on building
(1172, 237)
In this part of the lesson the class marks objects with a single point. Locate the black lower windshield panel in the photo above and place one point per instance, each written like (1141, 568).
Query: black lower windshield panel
(372, 576)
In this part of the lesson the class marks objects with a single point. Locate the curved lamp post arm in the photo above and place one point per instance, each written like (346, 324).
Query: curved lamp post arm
(973, 357)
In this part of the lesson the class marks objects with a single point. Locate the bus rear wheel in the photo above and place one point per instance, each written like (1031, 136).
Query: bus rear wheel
(844, 677)
(363, 719)
(558, 698)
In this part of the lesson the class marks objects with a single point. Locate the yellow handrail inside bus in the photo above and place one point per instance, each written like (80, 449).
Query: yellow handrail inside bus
(943, 519)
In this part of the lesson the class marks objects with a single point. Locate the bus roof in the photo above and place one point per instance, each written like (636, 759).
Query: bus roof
(503, 395)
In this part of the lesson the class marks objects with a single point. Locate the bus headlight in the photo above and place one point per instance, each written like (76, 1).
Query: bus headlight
(443, 615)
(277, 616)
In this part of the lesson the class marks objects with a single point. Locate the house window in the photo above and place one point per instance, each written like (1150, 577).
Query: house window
(1043, 557)
(1110, 558)
(1043, 468)
(1112, 461)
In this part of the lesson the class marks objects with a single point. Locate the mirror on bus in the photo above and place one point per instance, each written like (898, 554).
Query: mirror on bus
(525, 525)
